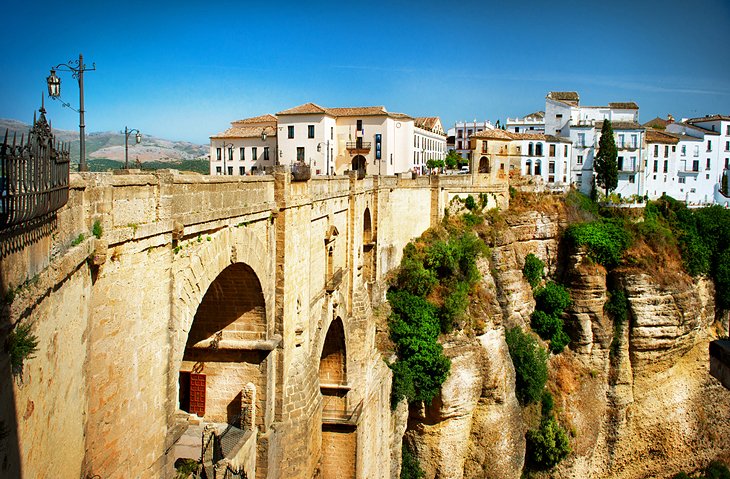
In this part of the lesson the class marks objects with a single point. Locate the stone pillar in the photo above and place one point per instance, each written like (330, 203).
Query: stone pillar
(248, 407)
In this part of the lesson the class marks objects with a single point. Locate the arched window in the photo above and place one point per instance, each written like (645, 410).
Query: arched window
(531, 149)
(538, 149)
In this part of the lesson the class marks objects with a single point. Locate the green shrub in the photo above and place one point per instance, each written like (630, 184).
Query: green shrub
(97, 229)
(79, 239)
(681, 475)
(471, 220)
(581, 202)
(558, 341)
(470, 203)
(695, 254)
(412, 276)
(605, 240)
(617, 305)
(544, 324)
(547, 404)
(455, 303)
(717, 470)
(722, 279)
(21, 345)
(533, 270)
(410, 468)
(548, 445)
(553, 298)
(403, 387)
(530, 363)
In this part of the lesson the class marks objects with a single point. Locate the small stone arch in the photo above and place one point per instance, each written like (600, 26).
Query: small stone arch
(358, 163)
(367, 227)
(484, 166)
(333, 358)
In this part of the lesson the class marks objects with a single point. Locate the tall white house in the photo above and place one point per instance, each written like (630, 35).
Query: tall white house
(329, 140)
(532, 123)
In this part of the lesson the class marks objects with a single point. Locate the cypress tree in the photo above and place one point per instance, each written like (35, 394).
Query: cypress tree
(606, 162)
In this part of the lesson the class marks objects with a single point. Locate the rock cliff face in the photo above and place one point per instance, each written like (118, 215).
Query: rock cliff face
(638, 400)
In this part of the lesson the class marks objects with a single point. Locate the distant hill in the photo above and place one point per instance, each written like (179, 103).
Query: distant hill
(105, 150)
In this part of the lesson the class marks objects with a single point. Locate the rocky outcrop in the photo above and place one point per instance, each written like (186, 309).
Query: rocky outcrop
(637, 400)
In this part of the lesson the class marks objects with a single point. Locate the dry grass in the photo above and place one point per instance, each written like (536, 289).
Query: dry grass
(540, 202)
(662, 262)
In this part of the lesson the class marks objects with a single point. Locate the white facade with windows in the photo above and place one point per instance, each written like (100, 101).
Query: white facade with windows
(464, 130)
(532, 123)
(247, 147)
(700, 164)
(429, 142)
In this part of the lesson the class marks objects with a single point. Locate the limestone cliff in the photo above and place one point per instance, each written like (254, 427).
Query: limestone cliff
(637, 400)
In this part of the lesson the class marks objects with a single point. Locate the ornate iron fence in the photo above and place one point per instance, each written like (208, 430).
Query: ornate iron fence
(33, 174)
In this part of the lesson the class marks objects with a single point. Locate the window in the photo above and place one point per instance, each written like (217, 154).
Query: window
(530, 149)
(458, 145)
(666, 166)
(632, 179)
(696, 151)
(727, 130)
(727, 146)
(459, 134)
(580, 159)
(634, 141)
(230, 170)
(468, 132)
(620, 163)
(310, 131)
(674, 148)
(332, 133)
(696, 165)
(684, 150)
(241, 170)
(242, 153)
(230, 153)
(656, 166)
(621, 140)
(290, 129)
(552, 150)
(218, 154)
(708, 164)
(300, 153)
(217, 170)
(358, 127)
(551, 168)
(709, 145)
(633, 163)
(682, 180)
(266, 153)
(666, 151)
(538, 149)
(254, 154)
(656, 150)
(727, 163)
(581, 139)
(559, 116)
(565, 151)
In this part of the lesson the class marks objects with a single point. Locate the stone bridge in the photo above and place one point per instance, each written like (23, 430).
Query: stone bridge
(239, 301)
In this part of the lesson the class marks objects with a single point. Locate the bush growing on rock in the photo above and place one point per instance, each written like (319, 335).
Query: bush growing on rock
(547, 445)
(530, 362)
(533, 270)
(552, 299)
(604, 239)
(550, 302)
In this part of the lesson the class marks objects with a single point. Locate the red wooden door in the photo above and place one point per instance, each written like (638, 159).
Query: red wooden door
(197, 394)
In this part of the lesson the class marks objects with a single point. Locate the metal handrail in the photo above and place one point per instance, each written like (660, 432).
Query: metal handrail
(358, 145)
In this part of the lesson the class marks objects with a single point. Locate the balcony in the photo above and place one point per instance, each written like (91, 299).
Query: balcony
(358, 147)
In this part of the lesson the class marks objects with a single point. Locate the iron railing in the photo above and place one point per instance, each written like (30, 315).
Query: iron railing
(358, 145)
(34, 174)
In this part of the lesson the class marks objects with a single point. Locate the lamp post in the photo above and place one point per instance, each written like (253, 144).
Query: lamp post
(137, 139)
(77, 68)
(327, 153)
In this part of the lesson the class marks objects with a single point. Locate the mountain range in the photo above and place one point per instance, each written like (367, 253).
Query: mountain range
(105, 150)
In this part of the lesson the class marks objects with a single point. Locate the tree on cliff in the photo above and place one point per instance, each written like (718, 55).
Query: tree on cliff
(606, 162)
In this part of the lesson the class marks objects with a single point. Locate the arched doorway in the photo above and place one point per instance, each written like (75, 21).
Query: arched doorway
(484, 165)
(358, 164)
(339, 435)
(219, 361)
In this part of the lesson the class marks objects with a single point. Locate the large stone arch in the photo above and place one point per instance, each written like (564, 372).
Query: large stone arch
(196, 268)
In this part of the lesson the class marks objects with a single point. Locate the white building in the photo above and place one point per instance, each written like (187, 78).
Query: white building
(532, 123)
(565, 117)
(247, 147)
(462, 133)
(701, 164)
(429, 142)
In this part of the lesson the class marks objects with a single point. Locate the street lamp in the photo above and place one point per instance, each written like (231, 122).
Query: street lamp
(230, 154)
(77, 68)
(137, 138)
(327, 154)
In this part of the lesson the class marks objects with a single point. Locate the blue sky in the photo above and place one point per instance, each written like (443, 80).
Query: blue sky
(184, 70)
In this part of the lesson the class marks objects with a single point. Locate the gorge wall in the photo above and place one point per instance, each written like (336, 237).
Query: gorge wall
(647, 409)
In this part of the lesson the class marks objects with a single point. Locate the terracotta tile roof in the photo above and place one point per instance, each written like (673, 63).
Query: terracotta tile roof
(495, 134)
(245, 132)
(268, 118)
(425, 122)
(358, 111)
(627, 105)
(538, 114)
(621, 125)
(306, 109)
(709, 118)
(400, 116)
(657, 123)
(654, 136)
(557, 139)
(569, 97)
